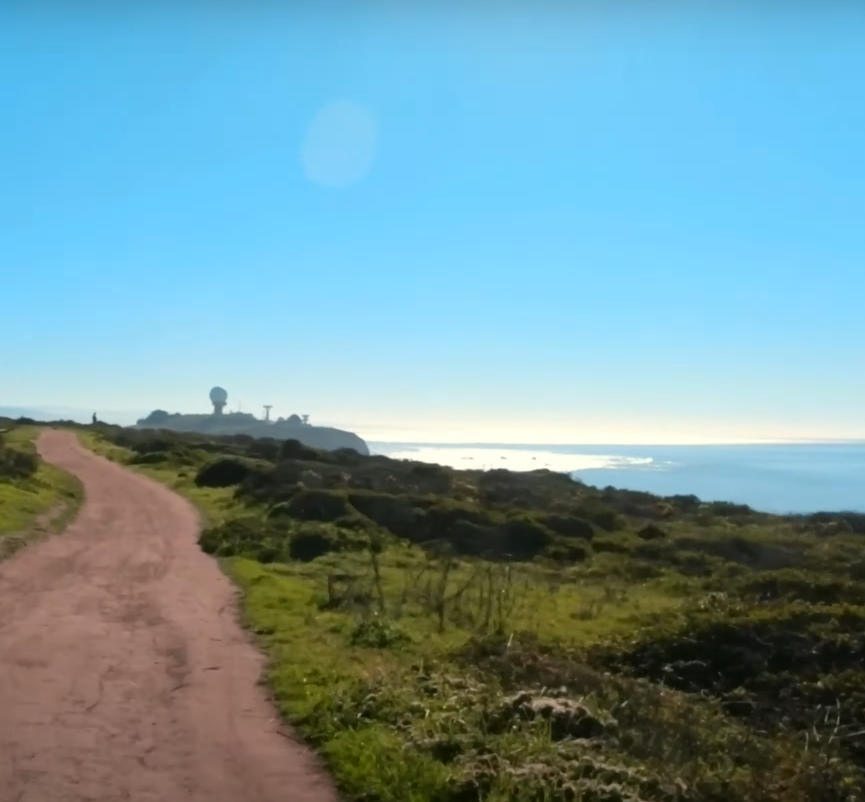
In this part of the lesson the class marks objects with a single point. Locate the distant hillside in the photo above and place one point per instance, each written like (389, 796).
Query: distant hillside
(320, 437)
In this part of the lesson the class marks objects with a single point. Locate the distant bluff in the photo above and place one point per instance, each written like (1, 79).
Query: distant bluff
(293, 428)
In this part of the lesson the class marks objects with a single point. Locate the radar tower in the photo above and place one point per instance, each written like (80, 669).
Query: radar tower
(219, 398)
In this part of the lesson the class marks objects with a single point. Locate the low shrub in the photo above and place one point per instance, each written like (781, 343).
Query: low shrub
(608, 519)
(248, 536)
(806, 586)
(569, 526)
(523, 537)
(17, 464)
(377, 633)
(294, 449)
(151, 458)
(836, 522)
(313, 540)
(397, 514)
(225, 472)
(318, 505)
(264, 449)
(567, 551)
(652, 532)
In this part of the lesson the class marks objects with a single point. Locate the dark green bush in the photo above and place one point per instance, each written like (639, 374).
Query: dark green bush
(727, 509)
(294, 449)
(346, 456)
(611, 545)
(397, 514)
(469, 529)
(744, 551)
(271, 485)
(524, 537)
(797, 585)
(152, 458)
(651, 532)
(608, 519)
(314, 540)
(248, 537)
(535, 489)
(264, 449)
(854, 521)
(469, 538)
(633, 503)
(16, 464)
(319, 505)
(377, 633)
(688, 503)
(567, 551)
(569, 526)
(225, 472)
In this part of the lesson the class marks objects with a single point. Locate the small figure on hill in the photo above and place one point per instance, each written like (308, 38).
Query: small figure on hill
(94, 418)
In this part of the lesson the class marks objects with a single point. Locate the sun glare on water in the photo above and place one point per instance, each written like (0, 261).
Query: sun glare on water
(517, 460)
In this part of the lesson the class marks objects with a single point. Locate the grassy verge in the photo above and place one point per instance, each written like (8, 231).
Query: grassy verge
(716, 658)
(33, 504)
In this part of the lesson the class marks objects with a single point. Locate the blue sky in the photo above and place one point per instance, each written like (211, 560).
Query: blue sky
(542, 226)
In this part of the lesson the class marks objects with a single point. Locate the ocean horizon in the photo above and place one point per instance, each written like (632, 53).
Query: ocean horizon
(784, 478)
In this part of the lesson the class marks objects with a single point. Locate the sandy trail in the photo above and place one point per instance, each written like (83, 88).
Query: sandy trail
(123, 672)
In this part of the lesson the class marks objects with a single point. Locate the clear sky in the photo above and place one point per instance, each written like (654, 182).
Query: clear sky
(426, 222)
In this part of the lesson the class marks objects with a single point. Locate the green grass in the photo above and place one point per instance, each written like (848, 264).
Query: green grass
(365, 705)
(40, 504)
(424, 678)
(99, 445)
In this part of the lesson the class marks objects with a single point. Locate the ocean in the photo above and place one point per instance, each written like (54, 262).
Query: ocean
(779, 478)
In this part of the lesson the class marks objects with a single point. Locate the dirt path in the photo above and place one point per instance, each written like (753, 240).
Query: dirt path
(123, 673)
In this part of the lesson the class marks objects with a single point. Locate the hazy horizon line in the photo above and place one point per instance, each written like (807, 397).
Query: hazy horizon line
(497, 443)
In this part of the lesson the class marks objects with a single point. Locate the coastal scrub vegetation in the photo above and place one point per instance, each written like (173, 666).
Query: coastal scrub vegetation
(34, 497)
(465, 636)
